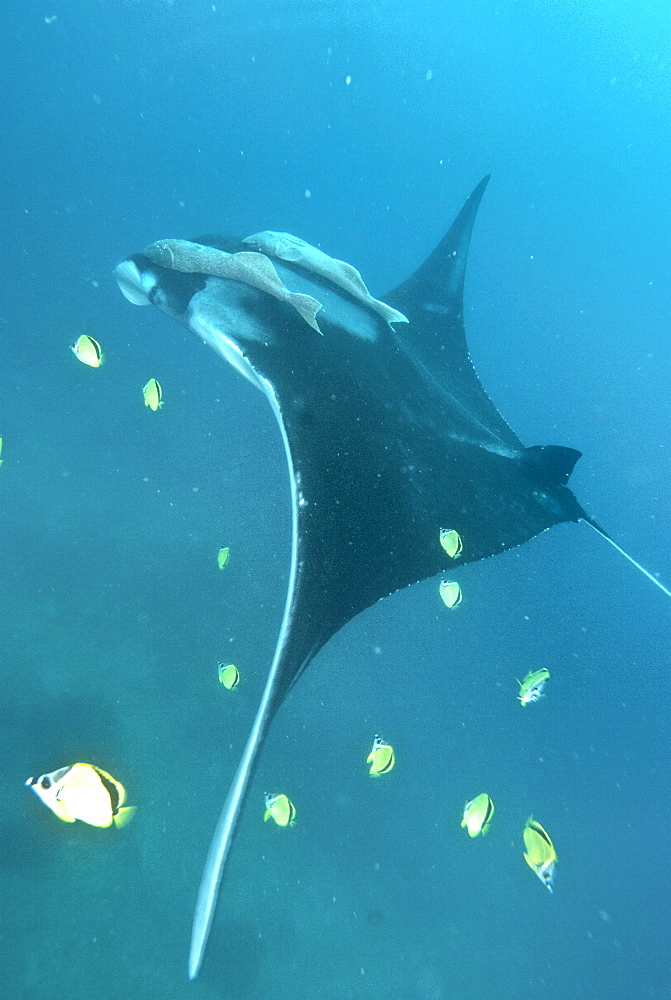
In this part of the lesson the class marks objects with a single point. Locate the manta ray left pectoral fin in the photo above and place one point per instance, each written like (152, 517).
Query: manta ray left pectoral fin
(222, 839)
(208, 890)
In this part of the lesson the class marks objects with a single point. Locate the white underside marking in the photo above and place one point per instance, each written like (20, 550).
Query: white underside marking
(224, 346)
(223, 834)
(494, 447)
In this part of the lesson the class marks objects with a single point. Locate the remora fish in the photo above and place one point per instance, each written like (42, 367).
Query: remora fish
(389, 436)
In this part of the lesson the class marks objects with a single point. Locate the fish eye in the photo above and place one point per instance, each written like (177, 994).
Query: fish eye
(45, 782)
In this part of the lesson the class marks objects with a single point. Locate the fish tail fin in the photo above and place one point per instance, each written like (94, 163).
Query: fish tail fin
(307, 307)
(388, 313)
(642, 569)
(124, 816)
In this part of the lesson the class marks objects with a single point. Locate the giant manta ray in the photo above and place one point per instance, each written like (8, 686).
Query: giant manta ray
(389, 438)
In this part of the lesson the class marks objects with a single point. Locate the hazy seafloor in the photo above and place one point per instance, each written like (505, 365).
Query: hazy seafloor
(361, 128)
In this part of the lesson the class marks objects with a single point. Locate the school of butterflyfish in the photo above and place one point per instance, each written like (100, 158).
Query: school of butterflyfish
(87, 793)
(88, 350)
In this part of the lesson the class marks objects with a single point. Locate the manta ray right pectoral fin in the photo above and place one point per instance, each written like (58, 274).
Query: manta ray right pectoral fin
(208, 890)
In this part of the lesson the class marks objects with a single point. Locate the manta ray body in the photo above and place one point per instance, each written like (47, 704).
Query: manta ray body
(389, 437)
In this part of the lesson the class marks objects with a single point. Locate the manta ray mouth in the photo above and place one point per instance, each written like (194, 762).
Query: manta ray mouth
(135, 285)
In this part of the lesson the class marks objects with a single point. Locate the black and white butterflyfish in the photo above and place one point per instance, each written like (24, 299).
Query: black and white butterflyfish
(540, 852)
(88, 351)
(478, 815)
(381, 758)
(229, 675)
(152, 394)
(451, 543)
(280, 809)
(84, 792)
(450, 593)
(533, 685)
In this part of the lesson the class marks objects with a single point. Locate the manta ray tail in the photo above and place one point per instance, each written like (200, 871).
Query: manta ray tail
(604, 534)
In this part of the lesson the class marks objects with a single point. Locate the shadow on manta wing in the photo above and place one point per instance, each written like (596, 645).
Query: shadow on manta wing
(389, 437)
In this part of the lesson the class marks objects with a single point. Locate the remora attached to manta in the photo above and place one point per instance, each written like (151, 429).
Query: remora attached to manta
(389, 437)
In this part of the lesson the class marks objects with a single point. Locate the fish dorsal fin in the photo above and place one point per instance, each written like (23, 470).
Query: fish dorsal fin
(281, 245)
(290, 248)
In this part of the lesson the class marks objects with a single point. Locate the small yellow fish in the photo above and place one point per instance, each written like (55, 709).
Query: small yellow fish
(85, 792)
(153, 395)
(223, 556)
(229, 675)
(531, 688)
(281, 809)
(451, 542)
(450, 592)
(540, 852)
(478, 815)
(88, 351)
(381, 758)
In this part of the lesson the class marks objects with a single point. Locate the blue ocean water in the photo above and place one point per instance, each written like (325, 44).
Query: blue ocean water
(361, 127)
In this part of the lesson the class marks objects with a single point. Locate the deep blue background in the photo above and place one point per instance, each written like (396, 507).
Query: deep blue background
(125, 122)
